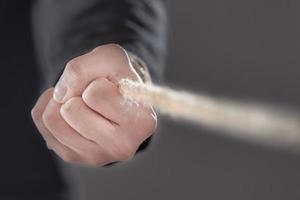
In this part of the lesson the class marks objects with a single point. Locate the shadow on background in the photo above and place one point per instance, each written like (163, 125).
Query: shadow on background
(242, 49)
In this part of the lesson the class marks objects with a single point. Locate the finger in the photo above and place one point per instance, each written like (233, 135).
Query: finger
(64, 152)
(37, 112)
(104, 97)
(93, 126)
(64, 133)
(105, 61)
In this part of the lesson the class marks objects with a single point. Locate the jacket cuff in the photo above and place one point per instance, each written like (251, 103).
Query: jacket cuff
(140, 67)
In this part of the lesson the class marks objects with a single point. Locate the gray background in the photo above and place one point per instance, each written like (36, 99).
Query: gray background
(234, 48)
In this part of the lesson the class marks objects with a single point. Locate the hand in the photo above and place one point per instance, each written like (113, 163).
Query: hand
(85, 119)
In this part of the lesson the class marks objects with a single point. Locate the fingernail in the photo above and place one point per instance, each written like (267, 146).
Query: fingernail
(59, 92)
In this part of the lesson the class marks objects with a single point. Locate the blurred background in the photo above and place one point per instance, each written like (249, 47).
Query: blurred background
(236, 48)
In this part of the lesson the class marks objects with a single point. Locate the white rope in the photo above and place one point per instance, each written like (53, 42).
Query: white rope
(250, 121)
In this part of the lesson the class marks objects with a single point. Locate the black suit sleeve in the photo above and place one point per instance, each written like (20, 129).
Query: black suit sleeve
(64, 29)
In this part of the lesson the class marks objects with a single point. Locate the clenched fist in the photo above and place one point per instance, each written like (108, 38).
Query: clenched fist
(85, 119)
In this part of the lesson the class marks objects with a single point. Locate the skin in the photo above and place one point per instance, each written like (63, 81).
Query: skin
(85, 119)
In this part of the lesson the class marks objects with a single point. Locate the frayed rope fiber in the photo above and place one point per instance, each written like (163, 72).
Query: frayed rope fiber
(250, 121)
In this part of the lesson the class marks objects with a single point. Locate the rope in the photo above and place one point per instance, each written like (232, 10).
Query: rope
(246, 120)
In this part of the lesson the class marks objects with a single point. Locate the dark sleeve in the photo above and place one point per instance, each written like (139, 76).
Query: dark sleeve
(64, 29)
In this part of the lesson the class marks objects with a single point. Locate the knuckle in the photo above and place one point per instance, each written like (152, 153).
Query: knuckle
(108, 47)
(48, 117)
(35, 113)
(71, 105)
(115, 48)
(74, 70)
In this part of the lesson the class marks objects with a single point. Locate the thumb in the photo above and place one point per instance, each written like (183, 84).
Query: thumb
(109, 61)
